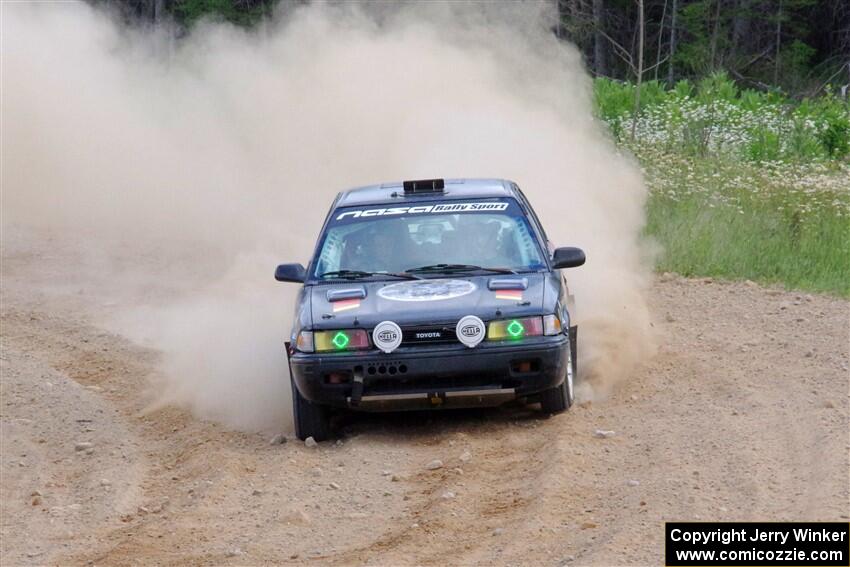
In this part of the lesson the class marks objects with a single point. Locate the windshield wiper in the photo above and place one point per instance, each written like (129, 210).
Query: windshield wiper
(357, 274)
(443, 268)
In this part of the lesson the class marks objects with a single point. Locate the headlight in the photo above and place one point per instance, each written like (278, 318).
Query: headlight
(340, 340)
(330, 341)
(513, 329)
(304, 341)
(552, 325)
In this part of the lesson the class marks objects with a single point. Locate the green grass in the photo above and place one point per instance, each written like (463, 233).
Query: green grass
(761, 243)
(246, 14)
(715, 117)
(742, 184)
(771, 223)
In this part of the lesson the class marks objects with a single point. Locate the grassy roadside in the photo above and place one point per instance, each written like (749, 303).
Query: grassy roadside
(742, 185)
(745, 224)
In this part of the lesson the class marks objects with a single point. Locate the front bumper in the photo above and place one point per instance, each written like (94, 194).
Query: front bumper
(432, 377)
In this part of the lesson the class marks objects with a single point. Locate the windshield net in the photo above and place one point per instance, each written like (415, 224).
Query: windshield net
(491, 234)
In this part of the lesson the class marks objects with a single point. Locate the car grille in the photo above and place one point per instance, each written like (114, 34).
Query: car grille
(428, 335)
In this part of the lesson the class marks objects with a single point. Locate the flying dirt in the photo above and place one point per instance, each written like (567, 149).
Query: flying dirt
(732, 420)
(150, 186)
(229, 145)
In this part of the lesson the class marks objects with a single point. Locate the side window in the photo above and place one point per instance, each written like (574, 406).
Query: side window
(331, 254)
(319, 265)
(550, 248)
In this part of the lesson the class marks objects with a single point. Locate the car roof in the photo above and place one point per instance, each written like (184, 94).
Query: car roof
(454, 189)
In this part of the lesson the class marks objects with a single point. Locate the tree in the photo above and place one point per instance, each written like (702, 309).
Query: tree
(600, 44)
(670, 66)
(799, 45)
(641, 34)
(778, 42)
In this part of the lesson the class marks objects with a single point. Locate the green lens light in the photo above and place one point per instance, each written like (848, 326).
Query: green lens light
(340, 340)
(515, 329)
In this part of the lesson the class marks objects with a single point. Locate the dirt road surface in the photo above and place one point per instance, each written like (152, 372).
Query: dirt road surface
(742, 415)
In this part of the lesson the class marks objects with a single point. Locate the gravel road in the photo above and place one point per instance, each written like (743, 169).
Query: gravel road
(742, 415)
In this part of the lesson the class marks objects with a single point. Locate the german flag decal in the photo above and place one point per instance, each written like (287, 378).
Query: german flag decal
(345, 305)
(509, 294)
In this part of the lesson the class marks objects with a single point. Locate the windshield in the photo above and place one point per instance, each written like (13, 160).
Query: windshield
(489, 234)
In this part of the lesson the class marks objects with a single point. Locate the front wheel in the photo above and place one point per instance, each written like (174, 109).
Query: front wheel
(560, 398)
(311, 420)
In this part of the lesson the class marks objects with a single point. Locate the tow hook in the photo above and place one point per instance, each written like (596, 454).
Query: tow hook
(357, 388)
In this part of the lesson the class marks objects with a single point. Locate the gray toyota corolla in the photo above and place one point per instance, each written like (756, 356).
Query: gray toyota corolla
(430, 294)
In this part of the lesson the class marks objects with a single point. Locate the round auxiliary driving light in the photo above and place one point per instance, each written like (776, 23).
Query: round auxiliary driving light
(387, 336)
(470, 331)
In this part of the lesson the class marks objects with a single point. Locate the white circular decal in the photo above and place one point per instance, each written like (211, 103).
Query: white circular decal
(470, 331)
(426, 290)
(387, 336)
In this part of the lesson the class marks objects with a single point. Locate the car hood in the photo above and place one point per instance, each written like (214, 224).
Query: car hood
(426, 301)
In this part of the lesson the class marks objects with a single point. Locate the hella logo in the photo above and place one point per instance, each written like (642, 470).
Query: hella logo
(387, 336)
(429, 335)
(469, 330)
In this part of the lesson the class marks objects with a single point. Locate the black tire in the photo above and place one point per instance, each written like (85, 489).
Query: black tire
(555, 400)
(311, 420)
(574, 350)
(560, 398)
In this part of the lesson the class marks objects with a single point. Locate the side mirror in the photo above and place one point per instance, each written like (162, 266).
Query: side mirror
(290, 273)
(567, 257)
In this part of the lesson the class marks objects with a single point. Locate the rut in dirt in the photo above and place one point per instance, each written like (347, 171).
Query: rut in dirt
(732, 420)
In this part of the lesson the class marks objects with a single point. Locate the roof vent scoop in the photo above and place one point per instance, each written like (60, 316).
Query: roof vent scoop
(424, 186)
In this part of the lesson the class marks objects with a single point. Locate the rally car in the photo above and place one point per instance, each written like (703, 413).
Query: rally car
(430, 294)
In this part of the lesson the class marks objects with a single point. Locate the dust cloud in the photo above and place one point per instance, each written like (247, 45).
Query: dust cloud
(198, 163)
